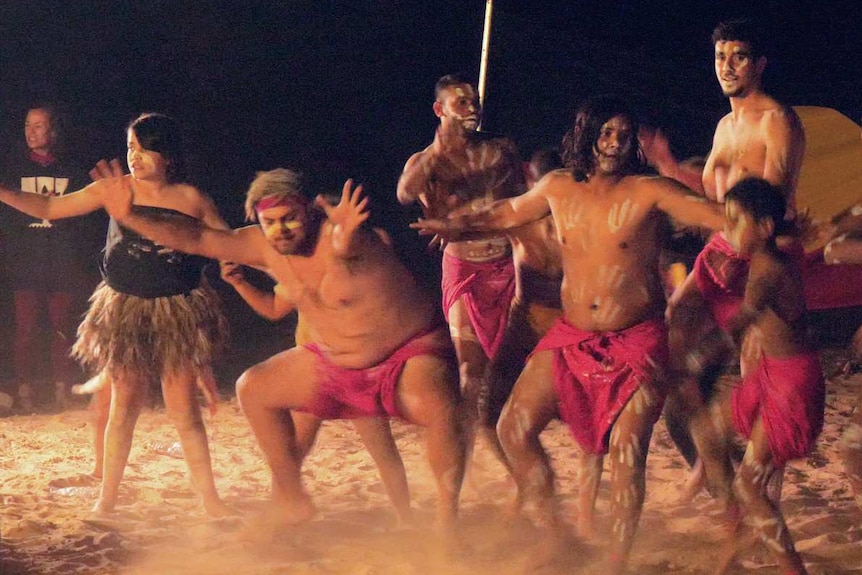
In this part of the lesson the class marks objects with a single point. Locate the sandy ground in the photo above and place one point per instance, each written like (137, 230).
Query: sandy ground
(160, 526)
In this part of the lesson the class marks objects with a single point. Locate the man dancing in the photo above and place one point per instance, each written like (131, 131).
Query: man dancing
(465, 166)
(377, 349)
(600, 367)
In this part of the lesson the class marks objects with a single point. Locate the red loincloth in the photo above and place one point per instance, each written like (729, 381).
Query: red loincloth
(720, 274)
(596, 373)
(487, 289)
(353, 393)
(789, 394)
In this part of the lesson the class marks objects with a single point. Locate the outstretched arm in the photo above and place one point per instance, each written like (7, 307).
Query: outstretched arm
(502, 215)
(678, 202)
(345, 218)
(45, 207)
(245, 245)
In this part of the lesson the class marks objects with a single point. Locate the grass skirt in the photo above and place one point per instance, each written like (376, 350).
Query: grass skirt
(148, 337)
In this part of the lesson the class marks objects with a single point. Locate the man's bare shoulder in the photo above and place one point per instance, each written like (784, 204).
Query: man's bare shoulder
(557, 181)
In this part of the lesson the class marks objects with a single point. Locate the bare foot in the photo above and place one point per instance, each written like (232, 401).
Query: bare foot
(695, 483)
(219, 508)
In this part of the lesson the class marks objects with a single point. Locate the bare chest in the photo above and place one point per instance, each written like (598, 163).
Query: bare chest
(471, 174)
(606, 225)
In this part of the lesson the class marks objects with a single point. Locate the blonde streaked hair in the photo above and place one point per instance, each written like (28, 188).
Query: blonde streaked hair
(277, 183)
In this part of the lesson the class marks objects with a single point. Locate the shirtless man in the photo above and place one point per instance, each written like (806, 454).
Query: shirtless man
(760, 137)
(374, 432)
(465, 166)
(376, 351)
(599, 368)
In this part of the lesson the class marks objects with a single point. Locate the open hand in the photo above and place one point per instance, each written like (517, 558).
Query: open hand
(104, 169)
(118, 196)
(349, 214)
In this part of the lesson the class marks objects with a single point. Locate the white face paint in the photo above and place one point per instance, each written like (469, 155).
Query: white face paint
(856, 210)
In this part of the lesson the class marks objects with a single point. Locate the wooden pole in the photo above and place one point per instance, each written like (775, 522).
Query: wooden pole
(486, 41)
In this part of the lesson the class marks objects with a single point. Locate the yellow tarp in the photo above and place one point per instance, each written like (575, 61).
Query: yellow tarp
(831, 176)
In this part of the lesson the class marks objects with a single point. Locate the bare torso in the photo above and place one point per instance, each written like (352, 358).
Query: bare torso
(479, 173)
(760, 139)
(360, 310)
(609, 238)
(781, 327)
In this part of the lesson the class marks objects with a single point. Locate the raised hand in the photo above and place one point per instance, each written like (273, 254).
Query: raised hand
(347, 216)
(104, 169)
(117, 196)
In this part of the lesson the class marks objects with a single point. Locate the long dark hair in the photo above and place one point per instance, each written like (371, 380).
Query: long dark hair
(579, 143)
(161, 134)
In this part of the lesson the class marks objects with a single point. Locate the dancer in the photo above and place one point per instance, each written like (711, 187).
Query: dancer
(600, 367)
(153, 320)
(778, 406)
(375, 432)
(759, 137)
(461, 166)
(378, 349)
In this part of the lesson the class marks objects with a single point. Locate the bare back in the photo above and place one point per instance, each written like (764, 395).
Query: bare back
(775, 293)
(359, 310)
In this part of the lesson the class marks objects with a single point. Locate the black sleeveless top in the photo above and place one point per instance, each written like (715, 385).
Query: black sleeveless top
(137, 266)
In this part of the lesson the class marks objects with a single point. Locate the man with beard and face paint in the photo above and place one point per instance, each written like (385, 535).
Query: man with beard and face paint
(376, 346)
(600, 367)
(760, 137)
(375, 432)
(465, 166)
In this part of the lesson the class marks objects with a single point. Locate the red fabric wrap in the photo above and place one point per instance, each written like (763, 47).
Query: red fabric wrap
(596, 373)
(789, 394)
(487, 289)
(721, 274)
(353, 393)
(271, 202)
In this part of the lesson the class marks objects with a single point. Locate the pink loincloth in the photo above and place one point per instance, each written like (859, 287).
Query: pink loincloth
(830, 286)
(353, 393)
(487, 289)
(720, 274)
(596, 373)
(789, 394)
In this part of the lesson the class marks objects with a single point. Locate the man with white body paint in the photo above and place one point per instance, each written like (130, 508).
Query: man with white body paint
(600, 367)
(378, 349)
(464, 166)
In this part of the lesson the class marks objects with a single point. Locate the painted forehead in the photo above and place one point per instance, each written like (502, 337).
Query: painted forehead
(735, 46)
(462, 90)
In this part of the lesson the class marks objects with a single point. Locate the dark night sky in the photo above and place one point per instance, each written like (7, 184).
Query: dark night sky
(343, 88)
